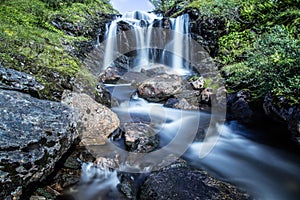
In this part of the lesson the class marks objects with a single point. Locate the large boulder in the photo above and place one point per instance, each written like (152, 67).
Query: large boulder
(96, 121)
(11, 79)
(34, 135)
(140, 137)
(161, 87)
(178, 181)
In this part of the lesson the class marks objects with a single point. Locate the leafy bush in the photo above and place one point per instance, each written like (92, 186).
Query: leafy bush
(273, 65)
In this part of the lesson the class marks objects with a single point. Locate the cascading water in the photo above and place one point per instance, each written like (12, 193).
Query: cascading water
(181, 45)
(262, 170)
(142, 25)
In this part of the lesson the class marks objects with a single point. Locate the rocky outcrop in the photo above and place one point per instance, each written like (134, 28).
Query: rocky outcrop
(178, 181)
(140, 137)
(34, 136)
(161, 87)
(11, 79)
(286, 115)
(238, 107)
(206, 30)
(182, 104)
(96, 122)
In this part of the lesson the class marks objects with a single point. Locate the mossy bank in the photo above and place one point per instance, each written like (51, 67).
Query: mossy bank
(45, 39)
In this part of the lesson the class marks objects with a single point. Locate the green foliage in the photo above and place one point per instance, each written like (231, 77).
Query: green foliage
(234, 46)
(272, 66)
(162, 5)
(260, 51)
(29, 43)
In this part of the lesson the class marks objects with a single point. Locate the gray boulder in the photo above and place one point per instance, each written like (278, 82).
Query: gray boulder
(34, 136)
(96, 121)
(178, 181)
(140, 137)
(11, 79)
(161, 87)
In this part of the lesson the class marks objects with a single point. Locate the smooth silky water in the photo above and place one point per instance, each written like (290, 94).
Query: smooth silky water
(249, 158)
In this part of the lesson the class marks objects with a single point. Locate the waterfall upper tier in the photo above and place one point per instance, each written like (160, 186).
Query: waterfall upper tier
(142, 31)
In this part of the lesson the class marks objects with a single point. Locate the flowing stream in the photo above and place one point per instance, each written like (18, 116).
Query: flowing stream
(250, 158)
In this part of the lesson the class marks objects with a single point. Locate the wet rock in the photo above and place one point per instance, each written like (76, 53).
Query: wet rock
(205, 96)
(127, 186)
(289, 115)
(102, 95)
(207, 30)
(134, 78)
(140, 137)
(179, 181)
(160, 87)
(198, 84)
(105, 163)
(238, 106)
(157, 69)
(109, 75)
(34, 136)
(182, 104)
(11, 79)
(96, 122)
(191, 96)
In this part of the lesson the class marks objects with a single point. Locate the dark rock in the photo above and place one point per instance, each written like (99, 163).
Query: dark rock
(178, 181)
(102, 95)
(140, 137)
(198, 84)
(160, 87)
(191, 96)
(207, 30)
(109, 75)
(238, 107)
(34, 136)
(127, 186)
(289, 115)
(180, 104)
(205, 96)
(155, 70)
(11, 79)
(134, 78)
(124, 26)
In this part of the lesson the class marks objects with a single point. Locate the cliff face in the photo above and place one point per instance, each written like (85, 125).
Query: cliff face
(49, 40)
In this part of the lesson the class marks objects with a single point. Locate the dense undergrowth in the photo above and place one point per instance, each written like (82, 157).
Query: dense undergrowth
(30, 43)
(260, 52)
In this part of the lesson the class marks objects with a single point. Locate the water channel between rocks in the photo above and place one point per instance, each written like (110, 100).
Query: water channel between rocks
(230, 151)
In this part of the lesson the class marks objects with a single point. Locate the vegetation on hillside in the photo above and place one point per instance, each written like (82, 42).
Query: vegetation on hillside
(30, 43)
(261, 50)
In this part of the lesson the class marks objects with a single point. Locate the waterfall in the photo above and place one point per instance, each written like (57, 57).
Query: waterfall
(142, 24)
(180, 45)
(111, 43)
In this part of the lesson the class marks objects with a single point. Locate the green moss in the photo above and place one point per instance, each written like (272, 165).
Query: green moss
(29, 43)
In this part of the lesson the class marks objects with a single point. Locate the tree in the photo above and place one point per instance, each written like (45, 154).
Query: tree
(162, 5)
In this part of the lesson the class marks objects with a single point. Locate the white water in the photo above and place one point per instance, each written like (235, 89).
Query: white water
(180, 46)
(264, 171)
(142, 24)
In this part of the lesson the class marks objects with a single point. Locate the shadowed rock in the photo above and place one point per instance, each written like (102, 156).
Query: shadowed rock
(34, 134)
(14, 80)
(178, 181)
